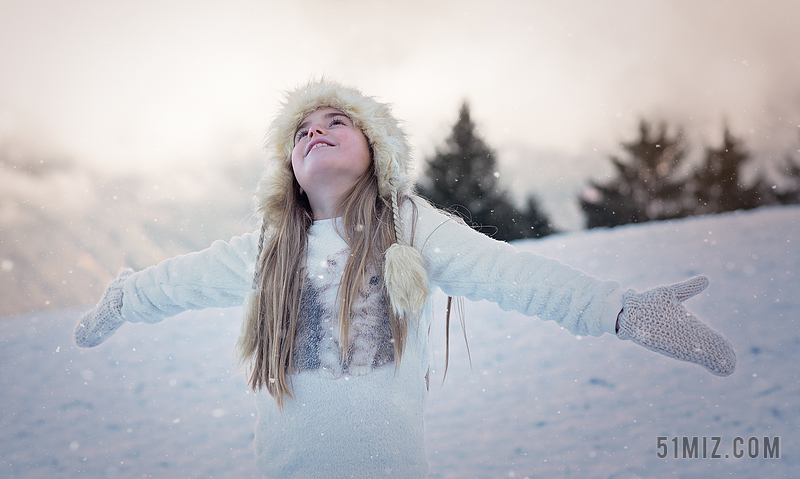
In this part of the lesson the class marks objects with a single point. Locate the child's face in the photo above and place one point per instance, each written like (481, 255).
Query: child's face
(329, 156)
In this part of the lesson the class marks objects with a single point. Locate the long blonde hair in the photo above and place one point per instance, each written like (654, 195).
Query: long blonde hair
(371, 225)
(367, 227)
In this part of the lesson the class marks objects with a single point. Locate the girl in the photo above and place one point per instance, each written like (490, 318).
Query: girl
(336, 291)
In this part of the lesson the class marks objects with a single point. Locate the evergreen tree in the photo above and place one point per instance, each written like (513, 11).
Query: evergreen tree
(462, 177)
(790, 171)
(538, 223)
(718, 185)
(646, 187)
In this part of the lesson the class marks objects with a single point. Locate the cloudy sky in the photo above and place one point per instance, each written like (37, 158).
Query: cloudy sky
(554, 86)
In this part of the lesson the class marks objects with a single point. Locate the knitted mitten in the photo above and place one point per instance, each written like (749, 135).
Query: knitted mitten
(101, 322)
(657, 320)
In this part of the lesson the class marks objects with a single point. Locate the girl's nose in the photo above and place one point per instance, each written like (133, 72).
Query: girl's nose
(315, 130)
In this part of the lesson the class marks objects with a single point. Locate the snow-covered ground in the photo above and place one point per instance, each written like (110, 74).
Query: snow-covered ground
(167, 400)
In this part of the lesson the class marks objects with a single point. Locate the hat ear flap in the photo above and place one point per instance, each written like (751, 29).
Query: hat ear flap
(406, 280)
(404, 272)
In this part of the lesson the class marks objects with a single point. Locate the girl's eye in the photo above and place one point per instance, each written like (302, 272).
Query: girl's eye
(304, 132)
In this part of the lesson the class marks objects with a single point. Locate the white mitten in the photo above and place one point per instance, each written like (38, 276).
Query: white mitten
(101, 322)
(657, 320)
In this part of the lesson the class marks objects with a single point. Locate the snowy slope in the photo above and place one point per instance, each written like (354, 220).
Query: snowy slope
(167, 401)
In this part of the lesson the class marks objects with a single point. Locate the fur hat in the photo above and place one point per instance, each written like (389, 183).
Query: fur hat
(404, 271)
(390, 149)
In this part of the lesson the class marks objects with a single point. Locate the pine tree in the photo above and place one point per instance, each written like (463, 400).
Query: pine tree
(790, 195)
(538, 223)
(790, 172)
(646, 187)
(463, 177)
(718, 185)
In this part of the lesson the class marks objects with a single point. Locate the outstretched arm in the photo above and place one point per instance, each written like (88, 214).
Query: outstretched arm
(218, 276)
(463, 262)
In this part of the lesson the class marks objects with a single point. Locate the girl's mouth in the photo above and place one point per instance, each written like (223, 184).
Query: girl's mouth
(316, 144)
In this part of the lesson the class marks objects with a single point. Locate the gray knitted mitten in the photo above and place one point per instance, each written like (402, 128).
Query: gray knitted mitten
(657, 320)
(101, 322)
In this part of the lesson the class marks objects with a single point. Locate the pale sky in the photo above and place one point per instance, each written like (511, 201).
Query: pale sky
(554, 86)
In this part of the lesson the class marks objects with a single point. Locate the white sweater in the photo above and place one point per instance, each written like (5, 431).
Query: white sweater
(363, 417)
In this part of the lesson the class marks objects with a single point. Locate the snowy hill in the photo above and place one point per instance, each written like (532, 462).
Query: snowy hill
(166, 400)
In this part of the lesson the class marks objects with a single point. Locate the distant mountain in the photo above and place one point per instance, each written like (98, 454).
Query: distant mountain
(65, 230)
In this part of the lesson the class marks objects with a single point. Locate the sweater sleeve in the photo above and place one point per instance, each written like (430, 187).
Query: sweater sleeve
(463, 262)
(218, 276)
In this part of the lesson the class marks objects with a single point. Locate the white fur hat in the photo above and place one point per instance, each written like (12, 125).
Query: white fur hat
(404, 271)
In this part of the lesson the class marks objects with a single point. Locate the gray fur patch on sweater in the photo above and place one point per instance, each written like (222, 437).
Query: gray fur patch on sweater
(317, 345)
